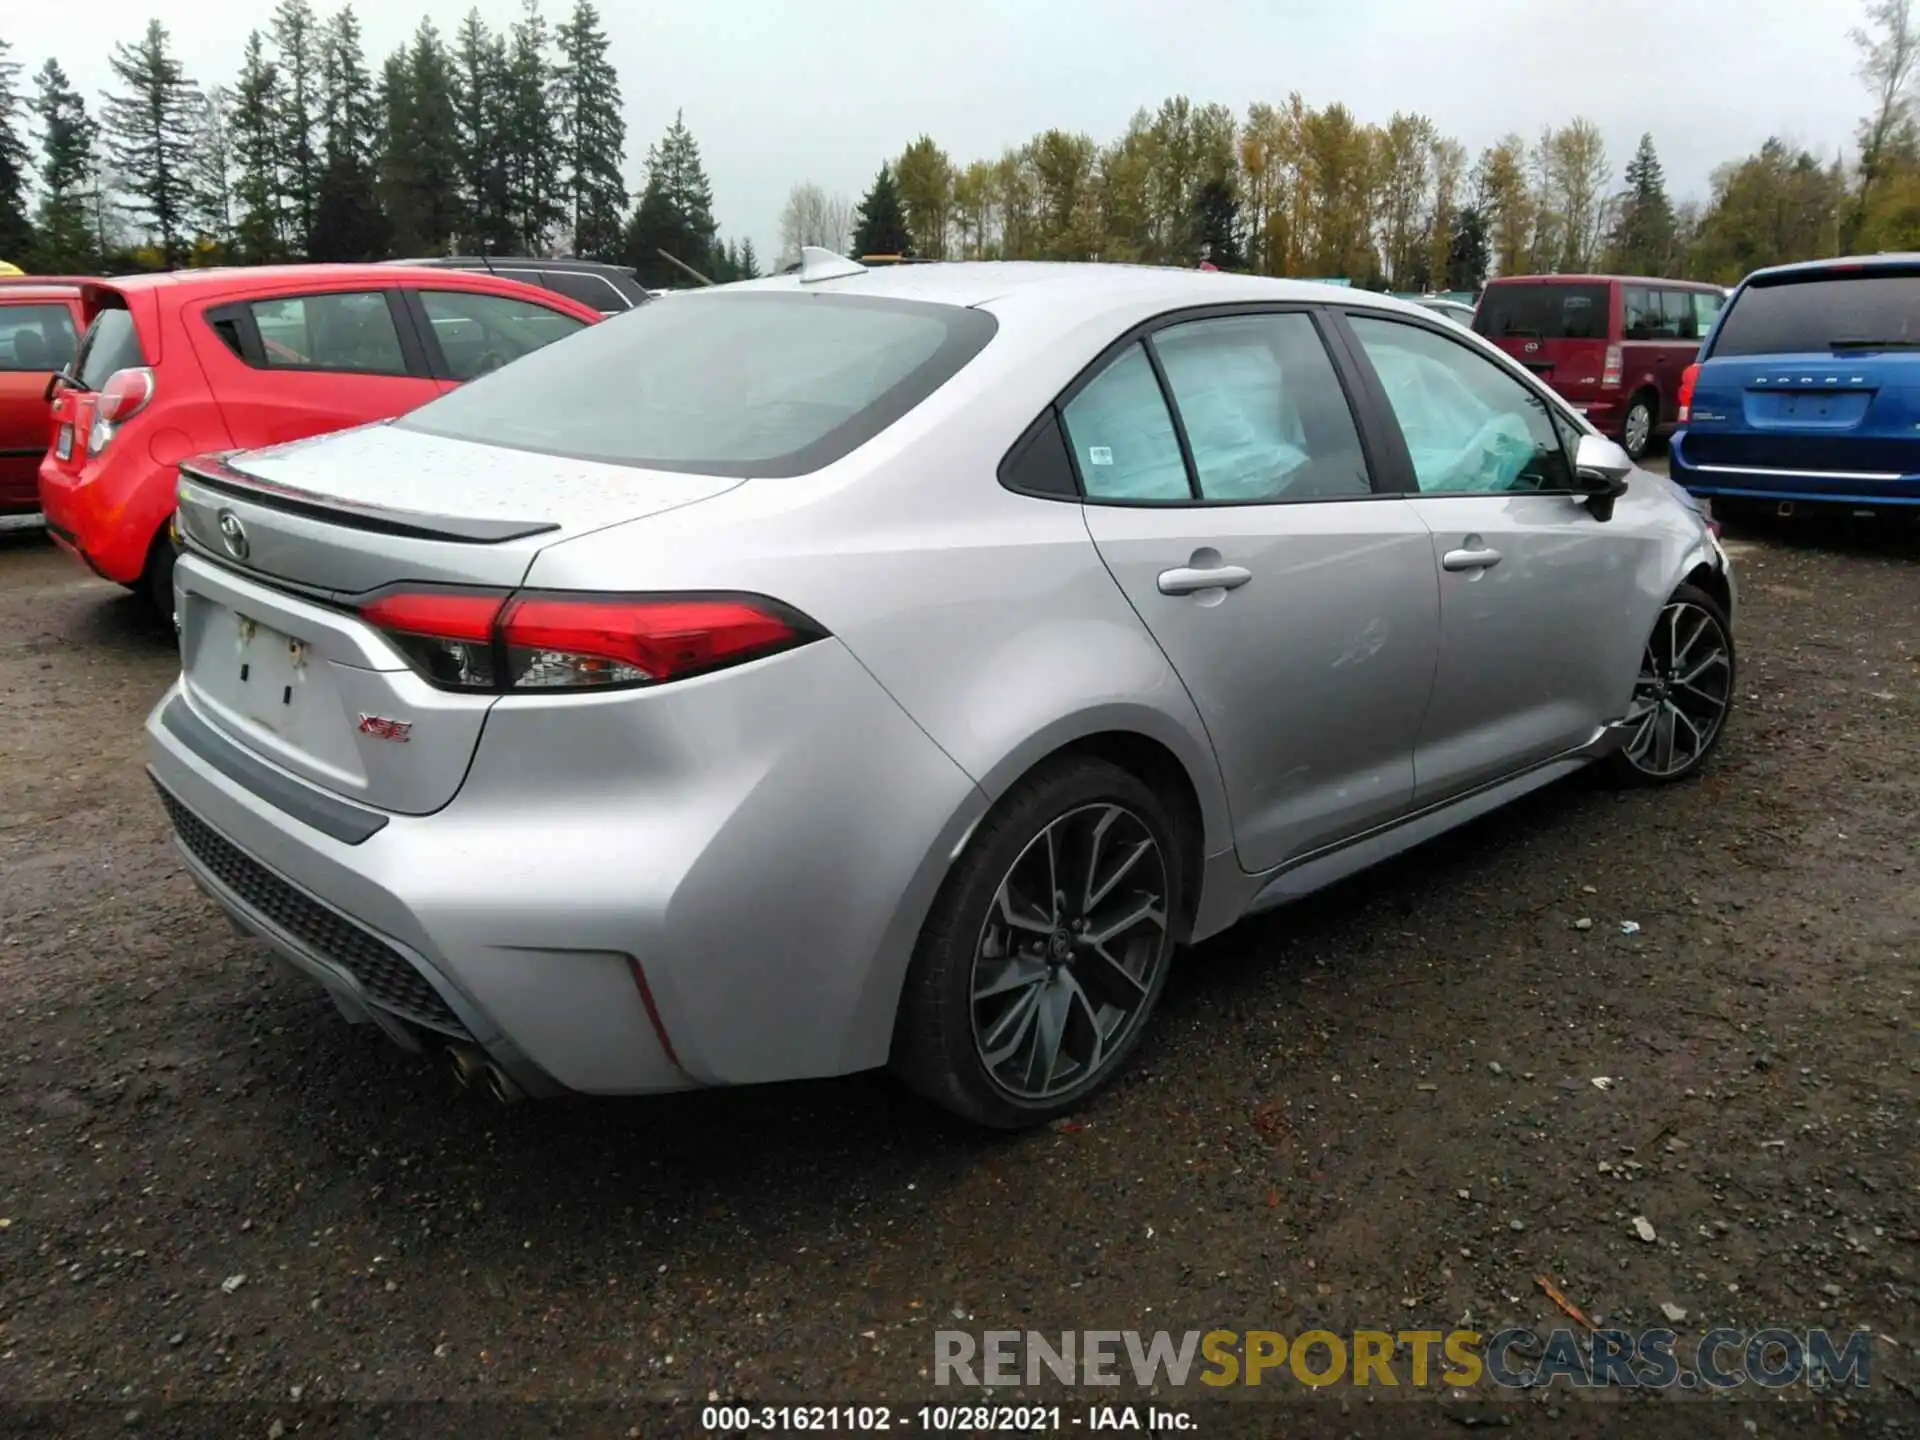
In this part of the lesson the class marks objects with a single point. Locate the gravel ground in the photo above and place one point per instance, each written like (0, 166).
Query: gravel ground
(1375, 1110)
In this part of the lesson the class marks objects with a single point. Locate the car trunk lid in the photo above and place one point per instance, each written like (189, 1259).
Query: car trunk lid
(282, 547)
(1850, 412)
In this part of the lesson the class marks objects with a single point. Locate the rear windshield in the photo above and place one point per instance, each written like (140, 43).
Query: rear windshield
(1818, 316)
(767, 383)
(36, 337)
(1544, 312)
(112, 344)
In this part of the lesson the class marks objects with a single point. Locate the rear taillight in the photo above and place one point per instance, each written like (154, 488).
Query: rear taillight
(1689, 378)
(126, 394)
(552, 640)
(1610, 376)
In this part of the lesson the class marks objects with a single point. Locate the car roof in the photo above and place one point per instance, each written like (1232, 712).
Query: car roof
(242, 278)
(38, 290)
(1083, 285)
(1888, 260)
(1600, 280)
(514, 262)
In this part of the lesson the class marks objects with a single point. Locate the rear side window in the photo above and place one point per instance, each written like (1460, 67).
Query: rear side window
(594, 290)
(1677, 316)
(1264, 413)
(478, 333)
(763, 384)
(112, 344)
(1544, 312)
(352, 332)
(1122, 434)
(36, 337)
(1823, 314)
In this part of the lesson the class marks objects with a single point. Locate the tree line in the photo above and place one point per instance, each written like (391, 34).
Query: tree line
(1289, 189)
(512, 142)
(504, 142)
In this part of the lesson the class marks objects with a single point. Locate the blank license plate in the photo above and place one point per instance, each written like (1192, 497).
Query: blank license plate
(268, 672)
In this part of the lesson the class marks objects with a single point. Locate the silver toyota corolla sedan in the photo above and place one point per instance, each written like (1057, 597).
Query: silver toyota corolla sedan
(896, 666)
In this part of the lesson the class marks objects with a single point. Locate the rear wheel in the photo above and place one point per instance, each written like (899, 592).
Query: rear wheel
(1683, 694)
(1636, 431)
(156, 581)
(1046, 950)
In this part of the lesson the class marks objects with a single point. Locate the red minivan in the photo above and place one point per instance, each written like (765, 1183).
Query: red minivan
(40, 323)
(193, 361)
(1614, 345)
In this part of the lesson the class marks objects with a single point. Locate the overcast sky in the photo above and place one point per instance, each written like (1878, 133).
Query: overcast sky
(782, 90)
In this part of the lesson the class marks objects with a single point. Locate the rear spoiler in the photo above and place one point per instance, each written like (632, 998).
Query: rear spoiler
(216, 473)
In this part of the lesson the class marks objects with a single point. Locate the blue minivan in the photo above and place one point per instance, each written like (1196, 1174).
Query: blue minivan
(1806, 392)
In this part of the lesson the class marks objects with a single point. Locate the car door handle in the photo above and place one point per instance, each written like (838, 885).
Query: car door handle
(1469, 559)
(1187, 580)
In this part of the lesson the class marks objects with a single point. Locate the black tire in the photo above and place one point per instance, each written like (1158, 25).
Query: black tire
(1643, 416)
(156, 581)
(1621, 767)
(935, 1051)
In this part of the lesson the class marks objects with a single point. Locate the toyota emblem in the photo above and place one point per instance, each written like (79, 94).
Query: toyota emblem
(1531, 346)
(233, 535)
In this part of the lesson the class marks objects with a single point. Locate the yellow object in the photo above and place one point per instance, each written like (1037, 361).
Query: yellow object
(6, 269)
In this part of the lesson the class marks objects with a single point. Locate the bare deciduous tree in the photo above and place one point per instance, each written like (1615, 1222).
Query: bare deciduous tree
(813, 217)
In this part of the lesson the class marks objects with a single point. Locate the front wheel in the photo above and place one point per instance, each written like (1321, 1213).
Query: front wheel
(1683, 694)
(1046, 950)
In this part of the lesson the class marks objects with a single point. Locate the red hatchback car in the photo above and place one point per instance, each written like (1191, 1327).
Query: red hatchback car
(1614, 345)
(193, 361)
(40, 325)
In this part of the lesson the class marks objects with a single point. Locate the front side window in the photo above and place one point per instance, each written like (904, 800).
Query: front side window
(36, 337)
(479, 333)
(1265, 415)
(352, 332)
(1470, 427)
(1122, 435)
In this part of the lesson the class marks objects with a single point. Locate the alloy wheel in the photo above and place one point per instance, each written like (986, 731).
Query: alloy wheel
(1639, 429)
(1070, 953)
(1681, 696)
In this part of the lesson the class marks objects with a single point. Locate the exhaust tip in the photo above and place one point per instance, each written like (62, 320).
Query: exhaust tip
(500, 1085)
(466, 1066)
(1786, 508)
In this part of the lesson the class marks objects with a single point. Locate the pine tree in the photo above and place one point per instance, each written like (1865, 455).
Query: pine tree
(1468, 253)
(213, 175)
(419, 184)
(256, 152)
(1643, 238)
(150, 138)
(882, 225)
(675, 213)
(348, 223)
(748, 264)
(67, 136)
(1216, 224)
(593, 135)
(17, 239)
(479, 79)
(296, 42)
(535, 202)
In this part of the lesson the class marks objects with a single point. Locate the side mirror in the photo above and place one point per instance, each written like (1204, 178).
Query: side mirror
(1600, 471)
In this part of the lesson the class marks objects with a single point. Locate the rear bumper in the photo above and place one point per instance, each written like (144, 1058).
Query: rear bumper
(105, 518)
(594, 933)
(1803, 486)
